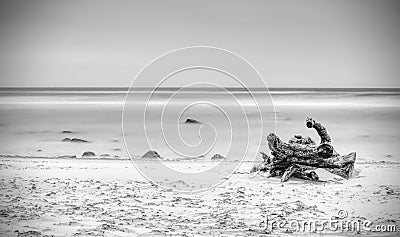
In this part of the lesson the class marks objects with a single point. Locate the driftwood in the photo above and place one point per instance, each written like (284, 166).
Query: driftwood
(302, 155)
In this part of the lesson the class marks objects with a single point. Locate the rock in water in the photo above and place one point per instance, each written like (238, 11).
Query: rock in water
(77, 140)
(88, 154)
(217, 157)
(66, 131)
(151, 155)
(189, 120)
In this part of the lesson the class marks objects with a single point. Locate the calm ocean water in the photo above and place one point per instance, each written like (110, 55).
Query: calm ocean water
(33, 120)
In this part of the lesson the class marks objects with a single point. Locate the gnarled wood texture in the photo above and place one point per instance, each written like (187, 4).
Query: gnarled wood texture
(301, 155)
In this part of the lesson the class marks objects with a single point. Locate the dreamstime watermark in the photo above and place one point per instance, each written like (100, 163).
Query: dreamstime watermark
(211, 85)
(341, 223)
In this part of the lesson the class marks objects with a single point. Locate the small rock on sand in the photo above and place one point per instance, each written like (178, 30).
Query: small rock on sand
(151, 155)
(29, 233)
(217, 157)
(67, 156)
(88, 154)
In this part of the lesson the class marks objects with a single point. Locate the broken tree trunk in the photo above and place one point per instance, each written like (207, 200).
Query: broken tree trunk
(319, 162)
(301, 155)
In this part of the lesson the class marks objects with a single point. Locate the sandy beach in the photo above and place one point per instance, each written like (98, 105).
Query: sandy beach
(65, 197)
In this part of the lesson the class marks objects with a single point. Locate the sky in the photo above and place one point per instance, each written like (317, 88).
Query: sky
(296, 43)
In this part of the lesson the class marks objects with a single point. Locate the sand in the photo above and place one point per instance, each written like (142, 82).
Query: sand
(65, 197)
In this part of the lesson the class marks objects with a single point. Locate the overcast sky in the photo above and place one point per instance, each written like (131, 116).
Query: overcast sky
(338, 43)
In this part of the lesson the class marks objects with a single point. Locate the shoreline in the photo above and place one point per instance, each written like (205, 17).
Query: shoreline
(65, 157)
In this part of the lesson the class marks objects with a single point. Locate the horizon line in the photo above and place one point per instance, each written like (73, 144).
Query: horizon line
(59, 88)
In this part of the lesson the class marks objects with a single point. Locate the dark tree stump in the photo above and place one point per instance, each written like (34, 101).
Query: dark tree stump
(301, 155)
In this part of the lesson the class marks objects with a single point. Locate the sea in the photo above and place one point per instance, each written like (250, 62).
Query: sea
(122, 123)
